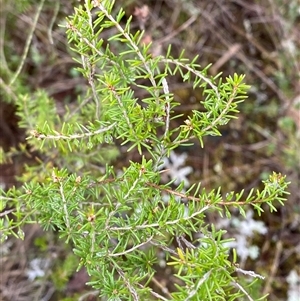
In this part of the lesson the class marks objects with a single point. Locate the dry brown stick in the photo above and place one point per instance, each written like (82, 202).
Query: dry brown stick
(163, 288)
(257, 45)
(216, 30)
(174, 33)
(274, 267)
(232, 51)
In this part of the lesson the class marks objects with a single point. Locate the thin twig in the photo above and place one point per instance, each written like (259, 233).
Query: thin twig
(93, 47)
(236, 284)
(196, 72)
(4, 65)
(214, 122)
(165, 248)
(87, 294)
(200, 282)
(193, 198)
(158, 225)
(67, 217)
(167, 107)
(163, 288)
(6, 212)
(274, 268)
(91, 68)
(175, 32)
(50, 28)
(132, 290)
(36, 134)
(132, 43)
(91, 72)
(28, 42)
(131, 249)
(118, 98)
(249, 273)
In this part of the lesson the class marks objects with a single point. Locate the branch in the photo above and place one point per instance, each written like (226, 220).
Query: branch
(157, 225)
(214, 123)
(132, 290)
(67, 219)
(208, 202)
(128, 38)
(39, 136)
(242, 289)
(131, 249)
(192, 70)
(200, 282)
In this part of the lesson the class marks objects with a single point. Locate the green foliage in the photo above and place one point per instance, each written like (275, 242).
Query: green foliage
(63, 271)
(121, 219)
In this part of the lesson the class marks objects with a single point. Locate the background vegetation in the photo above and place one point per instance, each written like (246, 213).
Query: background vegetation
(256, 38)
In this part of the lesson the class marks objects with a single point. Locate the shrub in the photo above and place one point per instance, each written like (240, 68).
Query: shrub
(121, 217)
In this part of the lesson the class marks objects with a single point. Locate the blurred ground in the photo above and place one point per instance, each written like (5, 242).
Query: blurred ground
(257, 38)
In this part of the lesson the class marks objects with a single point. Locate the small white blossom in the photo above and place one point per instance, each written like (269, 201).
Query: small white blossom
(245, 230)
(37, 268)
(175, 168)
(248, 226)
(293, 280)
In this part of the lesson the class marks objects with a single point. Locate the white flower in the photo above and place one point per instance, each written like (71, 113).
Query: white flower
(245, 230)
(37, 268)
(248, 226)
(175, 168)
(293, 280)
